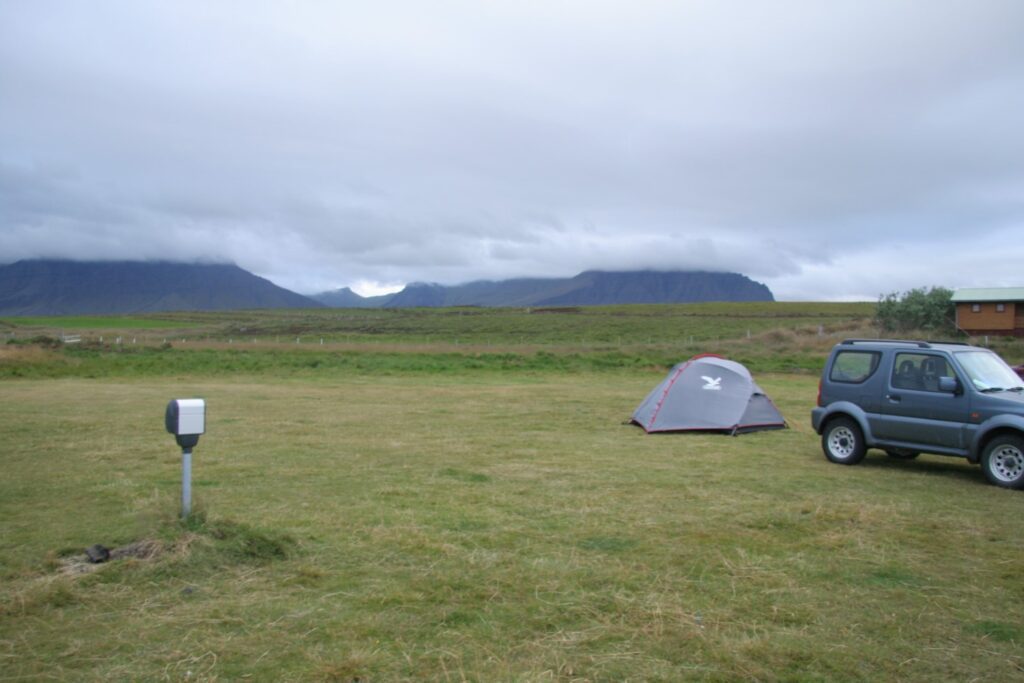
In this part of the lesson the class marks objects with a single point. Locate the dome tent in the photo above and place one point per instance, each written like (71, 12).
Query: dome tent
(708, 393)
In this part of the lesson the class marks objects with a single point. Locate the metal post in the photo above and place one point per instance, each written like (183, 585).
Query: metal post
(186, 482)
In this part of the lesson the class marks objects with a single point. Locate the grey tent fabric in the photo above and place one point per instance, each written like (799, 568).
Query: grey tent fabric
(708, 393)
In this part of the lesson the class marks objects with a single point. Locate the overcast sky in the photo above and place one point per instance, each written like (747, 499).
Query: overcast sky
(830, 149)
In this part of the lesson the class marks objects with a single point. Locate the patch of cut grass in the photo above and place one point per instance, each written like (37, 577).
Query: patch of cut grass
(608, 544)
(485, 526)
(998, 631)
(473, 477)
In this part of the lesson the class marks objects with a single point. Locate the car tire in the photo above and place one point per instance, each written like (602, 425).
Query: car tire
(1002, 461)
(902, 454)
(843, 441)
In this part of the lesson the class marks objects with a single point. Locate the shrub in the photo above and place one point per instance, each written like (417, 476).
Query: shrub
(40, 340)
(918, 309)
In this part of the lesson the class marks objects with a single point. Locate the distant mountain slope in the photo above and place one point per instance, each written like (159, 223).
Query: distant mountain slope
(586, 289)
(346, 298)
(517, 292)
(596, 287)
(50, 287)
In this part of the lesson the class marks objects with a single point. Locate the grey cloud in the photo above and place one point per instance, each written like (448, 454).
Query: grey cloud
(811, 145)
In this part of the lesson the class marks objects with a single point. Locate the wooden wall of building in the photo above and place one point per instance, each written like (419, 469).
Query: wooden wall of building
(988, 319)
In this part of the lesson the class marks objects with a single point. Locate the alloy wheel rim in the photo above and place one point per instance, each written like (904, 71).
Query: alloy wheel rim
(1008, 463)
(841, 442)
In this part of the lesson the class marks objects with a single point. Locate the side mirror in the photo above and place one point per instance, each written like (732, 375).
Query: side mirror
(950, 385)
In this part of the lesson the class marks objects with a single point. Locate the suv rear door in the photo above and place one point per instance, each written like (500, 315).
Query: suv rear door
(914, 411)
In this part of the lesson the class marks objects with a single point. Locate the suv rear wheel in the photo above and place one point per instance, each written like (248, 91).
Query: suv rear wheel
(843, 442)
(1003, 461)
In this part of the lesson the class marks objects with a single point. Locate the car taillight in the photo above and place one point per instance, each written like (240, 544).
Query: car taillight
(819, 392)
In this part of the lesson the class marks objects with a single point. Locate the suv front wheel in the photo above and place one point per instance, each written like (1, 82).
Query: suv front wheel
(843, 441)
(1003, 461)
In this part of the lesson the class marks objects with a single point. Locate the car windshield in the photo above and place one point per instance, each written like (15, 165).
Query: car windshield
(988, 372)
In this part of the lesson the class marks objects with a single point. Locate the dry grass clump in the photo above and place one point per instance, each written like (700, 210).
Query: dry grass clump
(813, 337)
(1010, 348)
(12, 354)
(817, 340)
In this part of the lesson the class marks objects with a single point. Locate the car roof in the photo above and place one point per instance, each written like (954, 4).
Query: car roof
(908, 343)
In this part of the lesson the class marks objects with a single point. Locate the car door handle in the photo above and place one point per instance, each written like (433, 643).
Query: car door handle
(894, 398)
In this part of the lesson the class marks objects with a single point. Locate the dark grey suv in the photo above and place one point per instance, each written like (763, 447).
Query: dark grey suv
(910, 397)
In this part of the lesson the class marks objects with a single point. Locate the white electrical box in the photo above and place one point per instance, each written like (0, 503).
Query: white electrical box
(186, 416)
(186, 419)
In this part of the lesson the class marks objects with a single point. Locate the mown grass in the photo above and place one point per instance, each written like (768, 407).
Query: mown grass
(438, 495)
(494, 525)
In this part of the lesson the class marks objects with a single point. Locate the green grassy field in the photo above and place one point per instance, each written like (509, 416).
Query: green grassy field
(591, 325)
(474, 520)
(786, 337)
(91, 322)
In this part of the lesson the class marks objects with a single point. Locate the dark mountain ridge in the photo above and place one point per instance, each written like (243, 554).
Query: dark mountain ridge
(57, 287)
(654, 287)
(590, 288)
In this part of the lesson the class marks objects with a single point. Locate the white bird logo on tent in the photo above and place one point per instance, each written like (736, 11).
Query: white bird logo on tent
(711, 383)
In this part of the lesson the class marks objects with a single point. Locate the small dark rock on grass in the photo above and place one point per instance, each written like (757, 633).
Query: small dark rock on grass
(139, 549)
(97, 553)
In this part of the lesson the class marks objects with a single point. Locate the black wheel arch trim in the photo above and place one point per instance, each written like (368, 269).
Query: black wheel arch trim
(990, 429)
(852, 411)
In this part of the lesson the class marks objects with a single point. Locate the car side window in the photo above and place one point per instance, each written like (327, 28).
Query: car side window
(919, 371)
(854, 366)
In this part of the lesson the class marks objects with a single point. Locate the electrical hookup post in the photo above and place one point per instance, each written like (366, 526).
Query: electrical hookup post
(186, 419)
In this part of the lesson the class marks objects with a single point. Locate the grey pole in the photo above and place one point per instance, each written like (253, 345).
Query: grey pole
(186, 482)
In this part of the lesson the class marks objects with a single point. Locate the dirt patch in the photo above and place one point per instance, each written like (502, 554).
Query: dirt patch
(556, 309)
(76, 565)
(143, 550)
